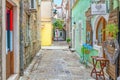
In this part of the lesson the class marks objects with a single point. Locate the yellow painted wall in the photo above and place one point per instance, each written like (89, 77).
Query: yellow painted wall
(46, 33)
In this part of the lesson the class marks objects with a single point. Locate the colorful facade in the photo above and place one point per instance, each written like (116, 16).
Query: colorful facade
(87, 29)
(79, 26)
(10, 37)
(46, 33)
(46, 23)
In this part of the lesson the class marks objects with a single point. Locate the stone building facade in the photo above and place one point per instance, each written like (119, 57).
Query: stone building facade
(0, 40)
(66, 12)
(113, 70)
(30, 30)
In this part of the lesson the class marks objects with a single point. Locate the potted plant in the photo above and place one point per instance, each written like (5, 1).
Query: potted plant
(86, 48)
(68, 41)
(111, 31)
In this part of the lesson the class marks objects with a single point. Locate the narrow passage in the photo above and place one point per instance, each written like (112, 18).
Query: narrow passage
(56, 65)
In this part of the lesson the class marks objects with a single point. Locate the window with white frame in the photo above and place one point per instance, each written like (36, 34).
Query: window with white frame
(33, 4)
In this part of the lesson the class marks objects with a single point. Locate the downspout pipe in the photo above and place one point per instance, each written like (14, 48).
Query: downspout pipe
(117, 62)
(21, 39)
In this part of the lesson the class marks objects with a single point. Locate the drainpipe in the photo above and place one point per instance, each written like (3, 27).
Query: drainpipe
(117, 62)
(21, 39)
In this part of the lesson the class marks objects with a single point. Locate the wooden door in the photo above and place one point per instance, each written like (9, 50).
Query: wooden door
(9, 40)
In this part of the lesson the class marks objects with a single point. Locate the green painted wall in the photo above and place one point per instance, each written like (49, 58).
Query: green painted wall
(78, 14)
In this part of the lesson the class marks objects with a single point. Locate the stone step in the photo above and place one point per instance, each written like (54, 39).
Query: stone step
(54, 47)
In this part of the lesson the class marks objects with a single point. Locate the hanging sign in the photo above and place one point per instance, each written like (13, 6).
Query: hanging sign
(98, 9)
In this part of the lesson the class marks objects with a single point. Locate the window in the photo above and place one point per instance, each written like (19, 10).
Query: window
(33, 4)
(61, 33)
(100, 33)
(100, 36)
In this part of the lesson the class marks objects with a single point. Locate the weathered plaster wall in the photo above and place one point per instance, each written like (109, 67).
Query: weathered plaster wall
(31, 32)
(78, 15)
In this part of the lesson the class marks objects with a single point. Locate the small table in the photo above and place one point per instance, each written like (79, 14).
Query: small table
(102, 61)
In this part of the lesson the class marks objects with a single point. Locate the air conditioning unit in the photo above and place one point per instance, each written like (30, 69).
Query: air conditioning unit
(33, 5)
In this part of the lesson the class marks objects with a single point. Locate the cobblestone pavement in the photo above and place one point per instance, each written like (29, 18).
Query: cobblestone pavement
(56, 65)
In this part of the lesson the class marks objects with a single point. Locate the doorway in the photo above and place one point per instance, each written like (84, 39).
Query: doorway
(100, 35)
(9, 40)
(73, 38)
(59, 35)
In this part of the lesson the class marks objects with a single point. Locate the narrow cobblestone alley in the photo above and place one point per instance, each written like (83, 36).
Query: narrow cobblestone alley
(56, 65)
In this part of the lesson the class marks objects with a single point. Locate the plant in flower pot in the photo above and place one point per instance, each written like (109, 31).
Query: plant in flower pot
(68, 40)
(111, 46)
(111, 31)
(85, 49)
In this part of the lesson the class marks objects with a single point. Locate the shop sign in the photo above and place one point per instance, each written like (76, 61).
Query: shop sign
(98, 9)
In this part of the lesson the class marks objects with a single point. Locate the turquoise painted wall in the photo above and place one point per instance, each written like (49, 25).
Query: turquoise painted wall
(78, 14)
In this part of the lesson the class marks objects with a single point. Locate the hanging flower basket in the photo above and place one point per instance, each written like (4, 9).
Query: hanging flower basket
(86, 48)
(86, 51)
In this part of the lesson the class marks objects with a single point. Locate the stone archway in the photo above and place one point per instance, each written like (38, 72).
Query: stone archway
(100, 35)
(97, 21)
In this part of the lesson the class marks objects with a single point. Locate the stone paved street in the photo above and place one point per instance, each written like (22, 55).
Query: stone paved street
(56, 65)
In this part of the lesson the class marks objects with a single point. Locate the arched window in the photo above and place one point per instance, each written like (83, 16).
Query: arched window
(100, 35)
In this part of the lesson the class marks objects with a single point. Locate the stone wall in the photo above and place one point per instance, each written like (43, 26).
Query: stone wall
(113, 19)
(30, 33)
(0, 39)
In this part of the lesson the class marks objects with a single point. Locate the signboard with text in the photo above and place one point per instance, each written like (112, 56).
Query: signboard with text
(98, 9)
